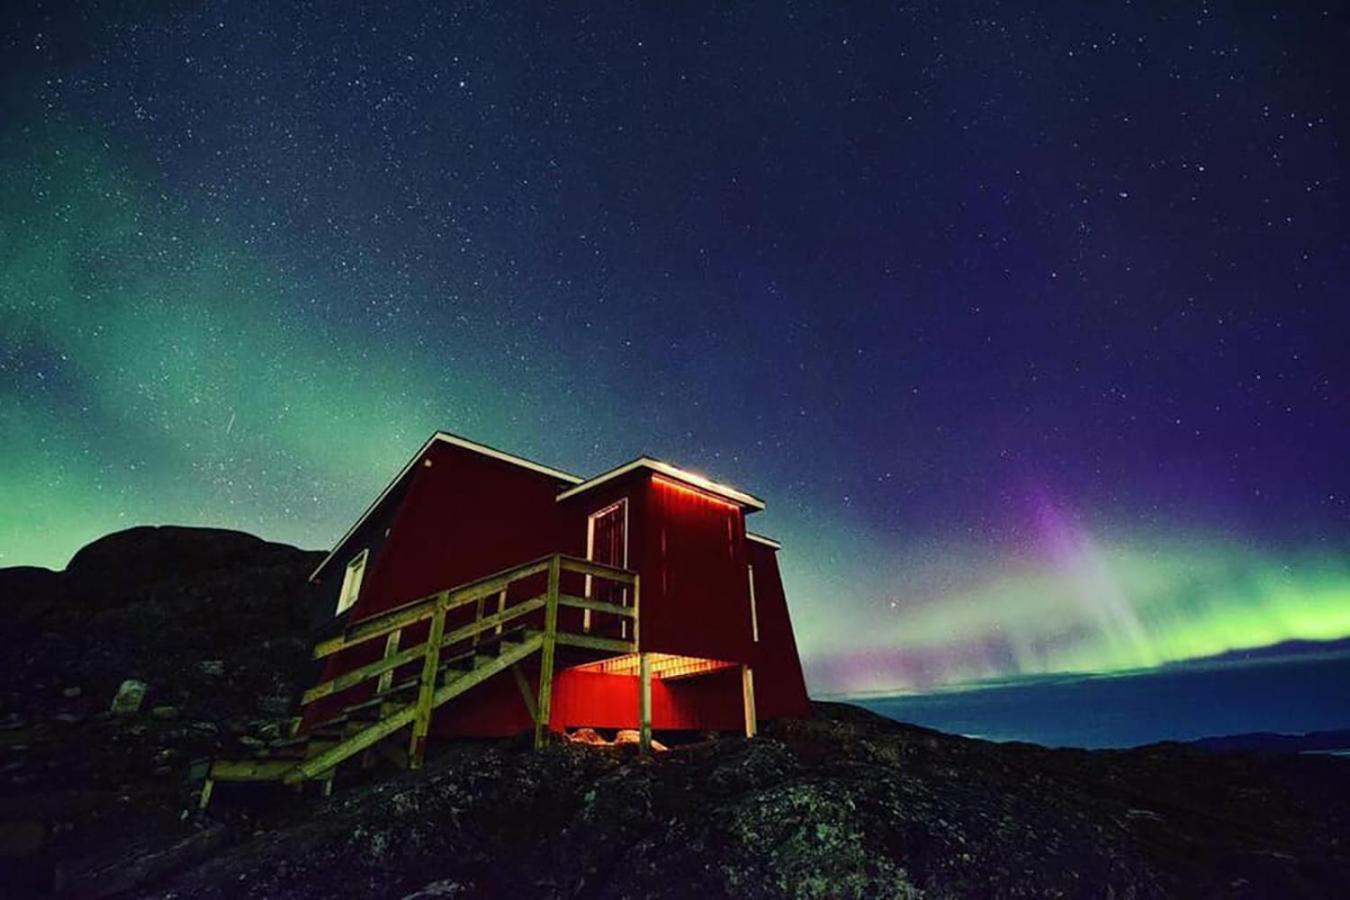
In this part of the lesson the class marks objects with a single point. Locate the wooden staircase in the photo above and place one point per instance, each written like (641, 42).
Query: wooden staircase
(451, 663)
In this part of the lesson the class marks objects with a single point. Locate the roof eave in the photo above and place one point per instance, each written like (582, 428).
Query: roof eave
(761, 539)
(455, 440)
(746, 501)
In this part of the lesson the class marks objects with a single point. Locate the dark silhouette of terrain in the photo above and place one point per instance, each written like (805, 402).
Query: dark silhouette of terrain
(846, 804)
(1271, 742)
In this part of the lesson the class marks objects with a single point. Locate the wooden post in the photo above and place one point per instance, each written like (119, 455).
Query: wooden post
(748, 697)
(526, 694)
(478, 617)
(645, 702)
(427, 687)
(501, 608)
(390, 648)
(644, 674)
(545, 704)
(382, 688)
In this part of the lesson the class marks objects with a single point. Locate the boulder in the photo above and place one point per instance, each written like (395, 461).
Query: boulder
(130, 696)
(586, 736)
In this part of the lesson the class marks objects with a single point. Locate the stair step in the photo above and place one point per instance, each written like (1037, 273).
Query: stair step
(303, 751)
(251, 770)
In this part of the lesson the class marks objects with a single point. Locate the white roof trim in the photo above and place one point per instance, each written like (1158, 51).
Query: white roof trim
(507, 457)
(690, 478)
(457, 441)
(761, 539)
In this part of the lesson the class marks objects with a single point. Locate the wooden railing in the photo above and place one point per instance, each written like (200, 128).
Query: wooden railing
(434, 611)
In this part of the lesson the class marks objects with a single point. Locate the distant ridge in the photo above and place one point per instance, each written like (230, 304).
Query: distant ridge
(1271, 742)
(1271, 651)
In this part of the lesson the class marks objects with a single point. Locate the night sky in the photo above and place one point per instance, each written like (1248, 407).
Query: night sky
(1028, 321)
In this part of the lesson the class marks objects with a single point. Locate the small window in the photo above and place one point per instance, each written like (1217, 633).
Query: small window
(351, 582)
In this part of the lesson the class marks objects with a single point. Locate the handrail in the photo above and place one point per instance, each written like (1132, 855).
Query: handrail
(596, 605)
(415, 610)
(436, 606)
(598, 570)
(422, 608)
(370, 629)
(395, 715)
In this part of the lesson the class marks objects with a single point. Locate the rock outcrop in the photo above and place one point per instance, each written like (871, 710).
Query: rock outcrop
(144, 607)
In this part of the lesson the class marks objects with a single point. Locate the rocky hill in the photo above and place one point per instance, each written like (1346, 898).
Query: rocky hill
(213, 623)
(844, 805)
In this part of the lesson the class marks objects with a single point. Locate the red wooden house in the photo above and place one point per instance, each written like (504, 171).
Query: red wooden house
(712, 603)
(482, 594)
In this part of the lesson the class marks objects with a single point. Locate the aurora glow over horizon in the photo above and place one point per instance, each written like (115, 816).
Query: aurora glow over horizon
(1030, 327)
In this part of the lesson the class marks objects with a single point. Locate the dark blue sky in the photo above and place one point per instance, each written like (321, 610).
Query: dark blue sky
(924, 277)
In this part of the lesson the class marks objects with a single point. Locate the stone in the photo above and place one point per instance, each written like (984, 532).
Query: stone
(447, 887)
(68, 718)
(72, 692)
(165, 712)
(213, 667)
(631, 736)
(586, 736)
(129, 697)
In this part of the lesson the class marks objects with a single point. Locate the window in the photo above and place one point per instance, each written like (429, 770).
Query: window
(351, 582)
(607, 542)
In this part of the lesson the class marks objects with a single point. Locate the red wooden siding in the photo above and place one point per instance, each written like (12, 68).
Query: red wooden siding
(780, 689)
(465, 516)
(573, 514)
(695, 595)
(597, 700)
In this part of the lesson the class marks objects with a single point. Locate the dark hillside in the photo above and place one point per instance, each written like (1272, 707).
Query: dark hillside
(212, 622)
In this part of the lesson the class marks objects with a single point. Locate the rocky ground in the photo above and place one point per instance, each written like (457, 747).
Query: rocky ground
(94, 804)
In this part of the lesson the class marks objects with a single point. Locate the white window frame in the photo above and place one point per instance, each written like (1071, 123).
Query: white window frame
(754, 607)
(590, 555)
(351, 581)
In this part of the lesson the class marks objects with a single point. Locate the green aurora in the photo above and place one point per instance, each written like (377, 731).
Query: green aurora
(155, 368)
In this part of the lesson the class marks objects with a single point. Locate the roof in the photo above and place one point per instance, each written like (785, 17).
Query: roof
(761, 539)
(455, 440)
(740, 498)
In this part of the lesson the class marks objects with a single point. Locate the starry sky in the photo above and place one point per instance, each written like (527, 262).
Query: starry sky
(1028, 320)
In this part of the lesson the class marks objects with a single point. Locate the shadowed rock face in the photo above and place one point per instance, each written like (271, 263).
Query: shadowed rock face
(149, 604)
(125, 566)
(26, 592)
(844, 805)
